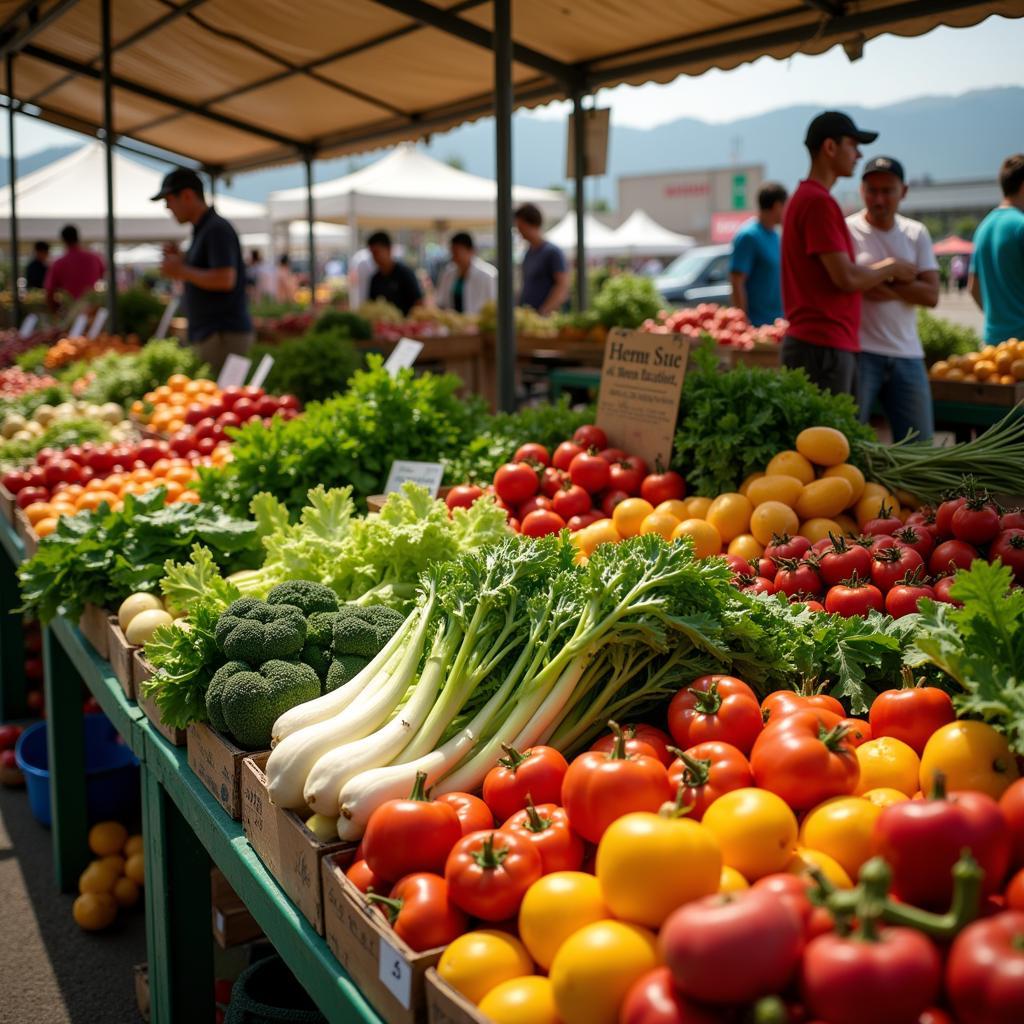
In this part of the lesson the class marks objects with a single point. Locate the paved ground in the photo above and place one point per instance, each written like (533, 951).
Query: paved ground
(961, 309)
(51, 972)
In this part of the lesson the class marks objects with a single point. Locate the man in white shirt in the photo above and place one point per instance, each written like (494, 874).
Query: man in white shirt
(467, 283)
(891, 367)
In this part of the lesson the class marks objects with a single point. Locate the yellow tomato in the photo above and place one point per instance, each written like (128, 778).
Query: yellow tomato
(755, 829)
(747, 546)
(697, 508)
(706, 539)
(593, 536)
(852, 475)
(848, 525)
(630, 514)
(972, 755)
(478, 961)
(674, 507)
(824, 498)
(804, 859)
(890, 763)
(596, 967)
(842, 827)
(731, 880)
(884, 796)
(771, 518)
(661, 523)
(730, 514)
(638, 862)
(824, 446)
(818, 529)
(775, 487)
(744, 487)
(870, 506)
(555, 907)
(529, 1000)
(791, 463)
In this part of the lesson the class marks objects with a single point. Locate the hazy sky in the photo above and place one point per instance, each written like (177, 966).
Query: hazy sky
(944, 62)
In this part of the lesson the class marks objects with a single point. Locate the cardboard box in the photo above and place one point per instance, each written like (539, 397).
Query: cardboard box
(7, 504)
(143, 671)
(93, 625)
(141, 972)
(385, 969)
(290, 851)
(122, 657)
(447, 1006)
(23, 528)
(218, 763)
(233, 925)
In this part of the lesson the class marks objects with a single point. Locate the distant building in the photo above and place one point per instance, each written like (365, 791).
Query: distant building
(685, 201)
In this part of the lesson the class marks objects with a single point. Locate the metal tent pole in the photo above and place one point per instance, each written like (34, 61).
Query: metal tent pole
(12, 178)
(308, 161)
(579, 174)
(506, 326)
(108, 150)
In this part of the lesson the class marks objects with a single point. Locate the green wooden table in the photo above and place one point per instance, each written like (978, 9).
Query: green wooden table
(184, 831)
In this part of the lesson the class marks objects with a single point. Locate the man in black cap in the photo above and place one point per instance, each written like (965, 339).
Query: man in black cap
(821, 280)
(212, 269)
(890, 367)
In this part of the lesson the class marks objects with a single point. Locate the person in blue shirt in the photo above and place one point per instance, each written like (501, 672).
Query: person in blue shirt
(755, 270)
(545, 277)
(997, 266)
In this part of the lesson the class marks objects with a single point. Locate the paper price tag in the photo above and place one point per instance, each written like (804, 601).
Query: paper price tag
(395, 973)
(234, 371)
(78, 326)
(426, 474)
(97, 322)
(165, 321)
(403, 355)
(28, 325)
(262, 369)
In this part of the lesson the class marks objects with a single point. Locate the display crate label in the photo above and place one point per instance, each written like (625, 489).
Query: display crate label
(426, 474)
(403, 355)
(395, 973)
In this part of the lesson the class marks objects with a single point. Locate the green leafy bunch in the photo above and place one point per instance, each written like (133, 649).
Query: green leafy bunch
(627, 301)
(313, 367)
(123, 378)
(942, 338)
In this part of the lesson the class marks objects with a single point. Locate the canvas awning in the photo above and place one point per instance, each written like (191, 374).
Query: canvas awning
(72, 190)
(235, 85)
(598, 238)
(640, 235)
(953, 245)
(408, 188)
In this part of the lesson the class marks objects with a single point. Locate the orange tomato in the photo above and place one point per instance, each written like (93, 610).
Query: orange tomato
(629, 516)
(706, 539)
(63, 508)
(95, 484)
(133, 487)
(193, 498)
(45, 527)
(730, 515)
(193, 388)
(178, 381)
(161, 466)
(71, 490)
(38, 510)
(162, 393)
(173, 488)
(115, 482)
(185, 474)
(142, 476)
(176, 425)
(661, 523)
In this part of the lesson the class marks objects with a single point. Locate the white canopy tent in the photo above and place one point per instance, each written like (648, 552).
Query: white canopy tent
(408, 189)
(326, 237)
(640, 235)
(598, 239)
(72, 190)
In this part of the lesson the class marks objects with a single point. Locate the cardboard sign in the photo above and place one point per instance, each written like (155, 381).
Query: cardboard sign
(97, 322)
(262, 369)
(234, 371)
(395, 973)
(426, 474)
(78, 326)
(165, 321)
(595, 143)
(403, 355)
(28, 325)
(641, 384)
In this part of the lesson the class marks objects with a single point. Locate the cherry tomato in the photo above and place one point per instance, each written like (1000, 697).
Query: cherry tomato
(911, 715)
(951, 555)
(662, 485)
(610, 499)
(1008, 547)
(541, 522)
(855, 597)
(532, 452)
(976, 521)
(571, 501)
(706, 771)
(654, 999)
(590, 436)
(611, 455)
(890, 565)
(942, 591)
(488, 873)
(552, 481)
(905, 596)
(795, 577)
(1012, 520)
(515, 482)
(785, 546)
(795, 890)
(590, 472)
(918, 538)
(421, 913)
(841, 559)
(1011, 803)
(360, 875)
(547, 827)
(473, 814)
(537, 773)
(985, 970)
(715, 708)
(463, 495)
(538, 503)
(564, 454)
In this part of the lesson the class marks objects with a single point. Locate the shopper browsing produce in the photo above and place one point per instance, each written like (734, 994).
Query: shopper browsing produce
(213, 272)
(755, 266)
(467, 282)
(75, 272)
(545, 278)
(392, 281)
(891, 366)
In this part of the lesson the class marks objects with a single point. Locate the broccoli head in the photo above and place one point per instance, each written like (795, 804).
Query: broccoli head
(387, 620)
(364, 631)
(248, 701)
(319, 642)
(343, 668)
(307, 596)
(253, 631)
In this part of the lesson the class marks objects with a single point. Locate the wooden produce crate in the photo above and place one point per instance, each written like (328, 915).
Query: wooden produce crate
(281, 840)
(93, 625)
(768, 357)
(390, 974)
(142, 671)
(218, 764)
(23, 528)
(122, 657)
(447, 1006)
(7, 504)
(977, 393)
(233, 924)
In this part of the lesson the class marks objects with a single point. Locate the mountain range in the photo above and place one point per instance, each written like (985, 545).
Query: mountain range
(939, 138)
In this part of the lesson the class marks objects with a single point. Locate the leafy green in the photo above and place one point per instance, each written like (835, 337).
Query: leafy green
(60, 434)
(313, 367)
(33, 358)
(627, 301)
(731, 424)
(943, 338)
(122, 377)
(184, 584)
(138, 312)
(350, 325)
(981, 646)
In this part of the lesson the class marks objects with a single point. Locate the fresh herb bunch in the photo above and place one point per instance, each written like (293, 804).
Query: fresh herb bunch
(33, 358)
(100, 557)
(627, 301)
(123, 378)
(731, 424)
(59, 435)
(138, 312)
(942, 338)
(313, 367)
(25, 405)
(352, 325)
(351, 439)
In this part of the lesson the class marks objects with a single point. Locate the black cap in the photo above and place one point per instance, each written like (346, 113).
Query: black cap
(835, 125)
(179, 178)
(885, 165)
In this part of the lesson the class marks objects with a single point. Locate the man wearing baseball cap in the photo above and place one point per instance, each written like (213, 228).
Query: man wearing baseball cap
(212, 269)
(891, 366)
(821, 280)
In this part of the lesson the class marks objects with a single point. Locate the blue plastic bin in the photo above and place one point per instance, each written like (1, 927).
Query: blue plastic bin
(111, 771)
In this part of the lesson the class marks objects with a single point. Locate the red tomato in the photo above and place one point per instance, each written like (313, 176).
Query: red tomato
(1008, 547)
(884, 526)
(537, 503)
(1012, 520)
(577, 523)
(942, 588)
(552, 481)
(14, 481)
(640, 739)
(571, 501)
(360, 875)
(904, 598)
(463, 495)
(547, 827)
(951, 555)
(30, 495)
(976, 521)
(611, 455)
(537, 772)
(532, 452)
(600, 788)
(795, 577)
(911, 714)
(515, 482)
(985, 970)
(472, 812)
(858, 730)
(890, 565)
(421, 913)
(805, 758)
(766, 568)
(628, 476)
(755, 585)
(405, 836)
(918, 538)
(488, 873)
(610, 499)
(740, 566)
(590, 472)
(715, 708)
(541, 522)
(785, 546)
(1011, 803)
(795, 890)
(564, 454)
(855, 597)
(706, 771)
(1014, 892)
(841, 559)
(654, 999)
(589, 436)
(662, 485)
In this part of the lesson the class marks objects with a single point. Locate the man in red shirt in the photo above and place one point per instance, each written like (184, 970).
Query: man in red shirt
(75, 272)
(821, 280)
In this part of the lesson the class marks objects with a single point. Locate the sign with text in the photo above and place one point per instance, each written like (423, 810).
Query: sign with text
(403, 355)
(724, 225)
(234, 371)
(426, 474)
(595, 143)
(641, 384)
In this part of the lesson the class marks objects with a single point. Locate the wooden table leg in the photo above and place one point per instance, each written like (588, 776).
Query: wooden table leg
(12, 645)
